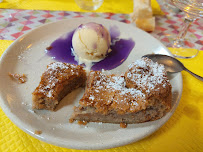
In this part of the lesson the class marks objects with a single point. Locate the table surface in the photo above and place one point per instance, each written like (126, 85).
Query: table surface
(14, 23)
(183, 132)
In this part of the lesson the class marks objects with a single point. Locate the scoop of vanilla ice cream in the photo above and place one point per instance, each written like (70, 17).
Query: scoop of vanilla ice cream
(91, 41)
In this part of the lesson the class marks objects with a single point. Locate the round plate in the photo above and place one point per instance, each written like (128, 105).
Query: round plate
(26, 55)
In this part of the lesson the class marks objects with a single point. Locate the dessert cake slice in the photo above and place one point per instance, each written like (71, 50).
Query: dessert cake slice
(57, 81)
(142, 94)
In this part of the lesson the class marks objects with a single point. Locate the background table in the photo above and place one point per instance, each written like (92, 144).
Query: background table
(15, 22)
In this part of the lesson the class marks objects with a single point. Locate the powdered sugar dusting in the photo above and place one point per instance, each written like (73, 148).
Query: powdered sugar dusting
(147, 74)
(59, 65)
(91, 97)
(110, 92)
(116, 83)
(51, 79)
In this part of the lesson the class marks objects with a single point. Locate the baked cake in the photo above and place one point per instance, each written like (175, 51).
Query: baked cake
(142, 93)
(57, 81)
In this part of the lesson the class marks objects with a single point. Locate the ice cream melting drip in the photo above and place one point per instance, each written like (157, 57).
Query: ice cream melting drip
(61, 50)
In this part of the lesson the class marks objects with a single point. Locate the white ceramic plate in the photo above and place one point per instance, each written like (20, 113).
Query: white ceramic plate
(26, 55)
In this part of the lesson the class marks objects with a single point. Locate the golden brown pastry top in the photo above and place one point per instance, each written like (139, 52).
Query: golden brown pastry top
(53, 79)
(149, 77)
(143, 83)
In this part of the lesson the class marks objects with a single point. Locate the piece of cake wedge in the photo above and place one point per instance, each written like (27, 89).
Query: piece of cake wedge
(57, 81)
(142, 93)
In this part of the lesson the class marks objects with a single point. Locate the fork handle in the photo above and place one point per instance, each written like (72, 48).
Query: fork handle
(195, 75)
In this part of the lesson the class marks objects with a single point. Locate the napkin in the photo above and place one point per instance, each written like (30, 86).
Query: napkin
(183, 131)
(112, 6)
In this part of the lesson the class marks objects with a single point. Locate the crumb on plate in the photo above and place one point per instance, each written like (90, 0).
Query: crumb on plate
(18, 77)
(38, 132)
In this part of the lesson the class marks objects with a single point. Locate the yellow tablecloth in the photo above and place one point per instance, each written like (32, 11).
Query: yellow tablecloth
(182, 133)
(113, 6)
